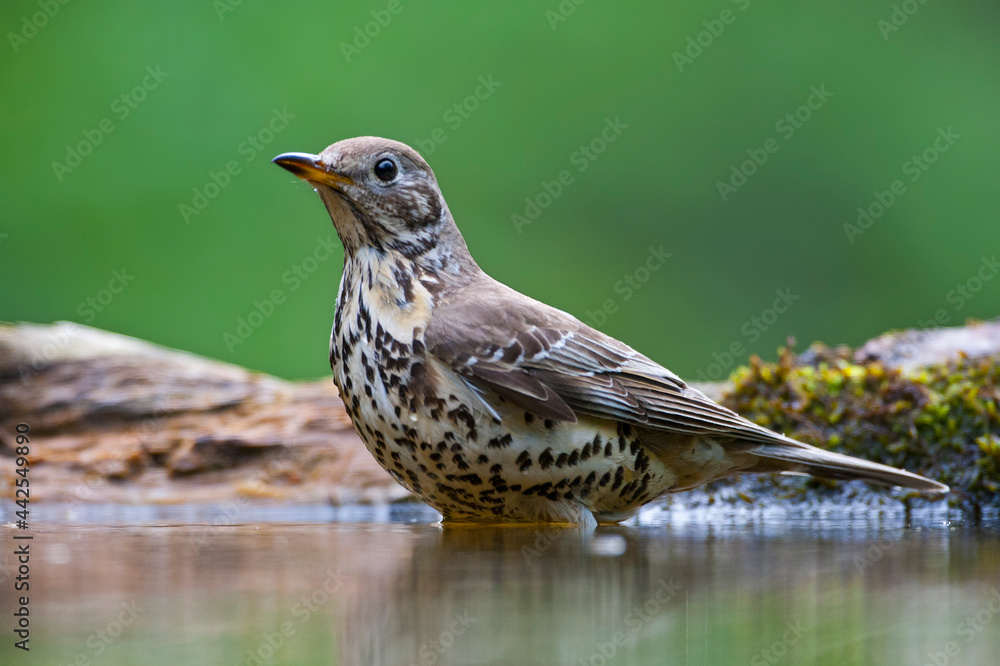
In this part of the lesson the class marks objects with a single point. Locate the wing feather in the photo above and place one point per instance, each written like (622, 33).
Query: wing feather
(548, 363)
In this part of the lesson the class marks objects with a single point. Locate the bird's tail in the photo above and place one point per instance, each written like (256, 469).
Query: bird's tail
(795, 456)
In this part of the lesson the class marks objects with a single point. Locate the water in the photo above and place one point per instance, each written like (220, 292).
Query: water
(357, 585)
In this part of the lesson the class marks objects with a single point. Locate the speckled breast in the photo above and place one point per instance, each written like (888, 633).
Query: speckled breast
(430, 430)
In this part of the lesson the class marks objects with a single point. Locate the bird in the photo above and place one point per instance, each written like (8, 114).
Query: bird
(491, 406)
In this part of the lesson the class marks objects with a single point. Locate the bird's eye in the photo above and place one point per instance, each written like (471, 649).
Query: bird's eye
(386, 170)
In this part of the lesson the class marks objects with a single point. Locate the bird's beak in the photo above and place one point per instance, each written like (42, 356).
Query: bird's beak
(311, 168)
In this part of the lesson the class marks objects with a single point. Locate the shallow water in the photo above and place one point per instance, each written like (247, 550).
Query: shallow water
(357, 585)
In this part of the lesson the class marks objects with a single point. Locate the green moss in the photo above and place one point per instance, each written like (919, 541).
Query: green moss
(940, 422)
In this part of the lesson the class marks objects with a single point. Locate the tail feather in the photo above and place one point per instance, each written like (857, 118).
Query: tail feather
(799, 457)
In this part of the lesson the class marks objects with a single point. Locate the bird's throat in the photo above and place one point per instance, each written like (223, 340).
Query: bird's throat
(386, 289)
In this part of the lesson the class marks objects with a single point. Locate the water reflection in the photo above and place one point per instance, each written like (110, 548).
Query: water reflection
(752, 591)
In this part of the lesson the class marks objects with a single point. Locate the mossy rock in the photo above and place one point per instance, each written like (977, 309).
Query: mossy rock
(941, 422)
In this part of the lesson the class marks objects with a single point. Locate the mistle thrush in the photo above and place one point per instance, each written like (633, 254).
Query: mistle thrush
(492, 406)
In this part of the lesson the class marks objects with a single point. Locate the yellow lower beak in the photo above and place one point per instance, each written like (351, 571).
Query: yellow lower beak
(311, 167)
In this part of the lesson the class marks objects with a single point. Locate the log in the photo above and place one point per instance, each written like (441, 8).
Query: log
(117, 419)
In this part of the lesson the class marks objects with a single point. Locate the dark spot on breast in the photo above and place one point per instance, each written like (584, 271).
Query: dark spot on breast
(462, 415)
(528, 417)
(500, 442)
(540, 489)
(523, 461)
(641, 461)
(546, 459)
(406, 442)
(619, 477)
(405, 281)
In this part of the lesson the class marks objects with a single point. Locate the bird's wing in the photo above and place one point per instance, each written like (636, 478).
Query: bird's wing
(554, 366)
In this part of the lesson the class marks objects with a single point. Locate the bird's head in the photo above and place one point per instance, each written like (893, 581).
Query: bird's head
(381, 194)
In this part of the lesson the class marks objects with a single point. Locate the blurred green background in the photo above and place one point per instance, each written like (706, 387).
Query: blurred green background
(242, 82)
